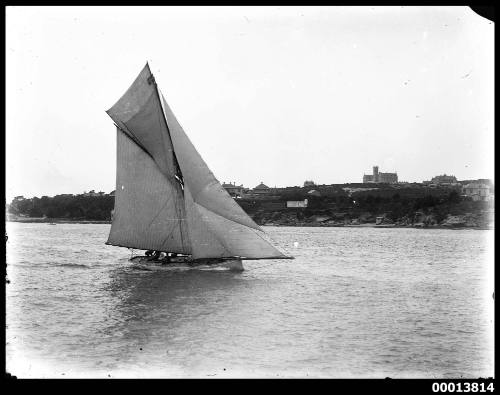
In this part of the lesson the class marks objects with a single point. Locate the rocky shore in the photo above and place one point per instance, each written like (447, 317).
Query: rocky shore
(482, 220)
(421, 221)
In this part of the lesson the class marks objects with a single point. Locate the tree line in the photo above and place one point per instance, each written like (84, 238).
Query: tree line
(87, 207)
(81, 207)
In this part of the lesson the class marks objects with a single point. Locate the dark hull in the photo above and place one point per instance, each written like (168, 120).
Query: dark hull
(186, 263)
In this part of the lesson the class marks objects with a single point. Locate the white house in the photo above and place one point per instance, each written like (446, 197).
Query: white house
(477, 191)
(296, 203)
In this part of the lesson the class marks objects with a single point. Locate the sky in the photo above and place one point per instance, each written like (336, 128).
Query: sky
(273, 94)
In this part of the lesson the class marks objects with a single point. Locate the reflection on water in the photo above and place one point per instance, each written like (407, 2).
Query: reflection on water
(354, 303)
(170, 310)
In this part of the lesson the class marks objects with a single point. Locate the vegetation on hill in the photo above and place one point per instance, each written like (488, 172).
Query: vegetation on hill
(74, 207)
(358, 204)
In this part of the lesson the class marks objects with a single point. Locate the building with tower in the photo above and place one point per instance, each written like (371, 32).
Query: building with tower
(379, 177)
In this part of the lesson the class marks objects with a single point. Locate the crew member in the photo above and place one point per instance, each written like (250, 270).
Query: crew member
(156, 255)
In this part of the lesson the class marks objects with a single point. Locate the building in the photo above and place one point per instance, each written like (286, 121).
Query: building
(478, 192)
(442, 180)
(379, 177)
(388, 178)
(233, 189)
(485, 181)
(93, 193)
(296, 203)
(261, 189)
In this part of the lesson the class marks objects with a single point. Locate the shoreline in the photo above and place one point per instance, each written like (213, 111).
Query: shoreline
(385, 226)
(56, 221)
(302, 225)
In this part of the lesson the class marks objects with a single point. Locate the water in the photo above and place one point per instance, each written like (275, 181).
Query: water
(356, 302)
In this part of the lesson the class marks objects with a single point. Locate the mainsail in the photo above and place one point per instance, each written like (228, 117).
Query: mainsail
(149, 209)
(167, 199)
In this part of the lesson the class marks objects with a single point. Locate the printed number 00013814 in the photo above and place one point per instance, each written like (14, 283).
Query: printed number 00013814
(462, 387)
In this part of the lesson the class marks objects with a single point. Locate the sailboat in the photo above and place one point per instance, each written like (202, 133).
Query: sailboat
(166, 198)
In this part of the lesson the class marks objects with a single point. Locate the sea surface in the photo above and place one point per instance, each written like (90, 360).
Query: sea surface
(355, 302)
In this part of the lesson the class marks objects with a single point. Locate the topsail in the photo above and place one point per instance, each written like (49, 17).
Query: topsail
(166, 198)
